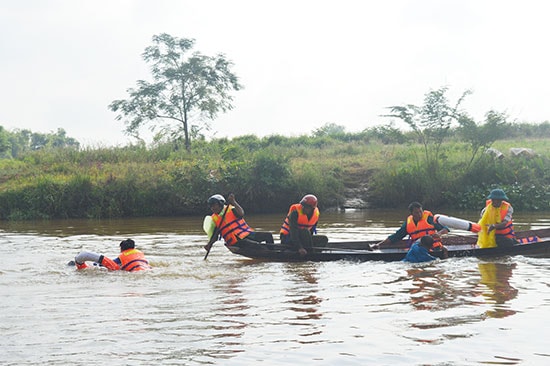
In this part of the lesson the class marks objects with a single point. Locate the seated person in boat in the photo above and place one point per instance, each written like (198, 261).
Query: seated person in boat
(300, 225)
(420, 251)
(230, 224)
(419, 223)
(130, 259)
(497, 227)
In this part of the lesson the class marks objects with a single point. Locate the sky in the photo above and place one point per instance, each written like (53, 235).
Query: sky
(303, 63)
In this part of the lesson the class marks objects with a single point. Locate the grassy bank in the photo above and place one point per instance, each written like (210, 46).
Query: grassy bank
(267, 174)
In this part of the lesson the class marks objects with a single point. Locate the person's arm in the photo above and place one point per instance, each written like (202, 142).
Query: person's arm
(425, 255)
(441, 230)
(508, 216)
(503, 223)
(237, 209)
(100, 259)
(393, 238)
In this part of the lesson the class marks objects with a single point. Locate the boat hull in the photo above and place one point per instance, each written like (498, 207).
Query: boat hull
(360, 250)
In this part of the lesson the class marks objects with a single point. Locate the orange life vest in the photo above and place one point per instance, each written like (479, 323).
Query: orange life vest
(508, 230)
(303, 221)
(133, 260)
(422, 228)
(232, 228)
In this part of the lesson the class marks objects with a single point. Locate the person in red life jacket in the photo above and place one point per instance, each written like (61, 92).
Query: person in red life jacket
(497, 215)
(419, 223)
(300, 225)
(130, 259)
(230, 224)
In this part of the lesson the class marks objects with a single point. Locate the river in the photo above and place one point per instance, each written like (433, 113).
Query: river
(228, 310)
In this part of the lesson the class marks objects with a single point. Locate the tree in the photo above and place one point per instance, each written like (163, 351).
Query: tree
(4, 141)
(329, 129)
(186, 87)
(481, 137)
(431, 122)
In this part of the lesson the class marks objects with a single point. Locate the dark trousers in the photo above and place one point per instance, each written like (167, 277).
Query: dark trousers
(261, 236)
(503, 241)
(307, 240)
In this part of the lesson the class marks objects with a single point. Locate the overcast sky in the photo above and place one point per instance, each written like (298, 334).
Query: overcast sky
(302, 63)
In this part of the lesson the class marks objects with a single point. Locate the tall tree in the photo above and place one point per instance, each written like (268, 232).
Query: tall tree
(187, 87)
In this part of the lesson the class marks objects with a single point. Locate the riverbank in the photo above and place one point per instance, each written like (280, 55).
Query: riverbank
(267, 175)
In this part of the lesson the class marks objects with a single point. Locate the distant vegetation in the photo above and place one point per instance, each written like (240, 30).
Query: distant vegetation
(441, 161)
(266, 174)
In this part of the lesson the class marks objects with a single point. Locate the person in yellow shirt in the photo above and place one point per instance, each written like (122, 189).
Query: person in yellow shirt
(497, 227)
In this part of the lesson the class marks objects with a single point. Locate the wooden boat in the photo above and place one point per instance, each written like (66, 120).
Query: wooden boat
(536, 243)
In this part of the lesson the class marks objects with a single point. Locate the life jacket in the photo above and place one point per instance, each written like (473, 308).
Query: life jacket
(508, 230)
(133, 260)
(303, 221)
(529, 239)
(422, 228)
(233, 228)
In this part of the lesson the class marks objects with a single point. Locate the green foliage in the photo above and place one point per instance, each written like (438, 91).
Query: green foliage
(17, 143)
(481, 137)
(386, 134)
(4, 141)
(431, 123)
(330, 129)
(265, 180)
(185, 88)
(60, 180)
(325, 181)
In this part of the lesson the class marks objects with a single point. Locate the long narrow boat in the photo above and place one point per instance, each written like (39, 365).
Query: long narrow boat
(534, 243)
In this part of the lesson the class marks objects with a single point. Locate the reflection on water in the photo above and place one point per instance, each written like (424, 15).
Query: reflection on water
(430, 289)
(302, 296)
(433, 288)
(496, 277)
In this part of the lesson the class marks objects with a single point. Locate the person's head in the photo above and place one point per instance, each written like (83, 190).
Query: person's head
(415, 208)
(127, 244)
(427, 241)
(216, 203)
(497, 196)
(309, 203)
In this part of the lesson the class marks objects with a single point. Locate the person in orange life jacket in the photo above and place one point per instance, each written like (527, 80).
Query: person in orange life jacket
(300, 224)
(130, 259)
(230, 223)
(419, 223)
(503, 224)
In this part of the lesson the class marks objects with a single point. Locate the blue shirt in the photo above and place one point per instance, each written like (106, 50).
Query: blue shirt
(418, 254)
